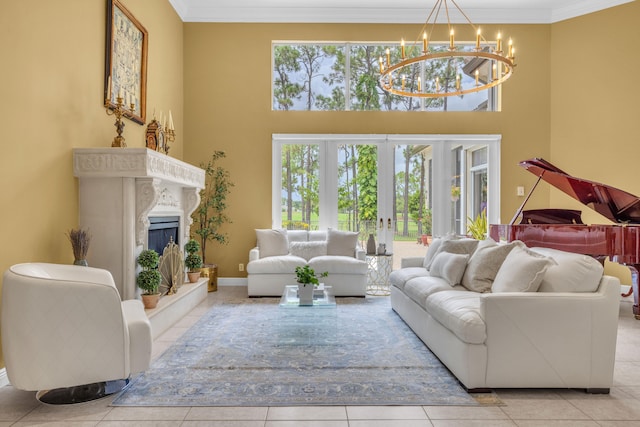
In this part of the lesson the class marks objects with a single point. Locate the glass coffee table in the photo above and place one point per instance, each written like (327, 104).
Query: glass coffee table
(307, 325)
(322, 298)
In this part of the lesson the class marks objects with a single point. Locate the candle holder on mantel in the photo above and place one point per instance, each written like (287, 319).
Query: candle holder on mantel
(119, 110)
(170, 136)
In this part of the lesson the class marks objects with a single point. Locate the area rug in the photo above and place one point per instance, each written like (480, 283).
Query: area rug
(256, 353)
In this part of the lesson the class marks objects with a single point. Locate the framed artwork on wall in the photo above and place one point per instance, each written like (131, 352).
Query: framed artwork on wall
(126, 62)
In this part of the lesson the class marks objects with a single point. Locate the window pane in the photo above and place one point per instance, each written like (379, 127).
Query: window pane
(300, 172)
(308, 77)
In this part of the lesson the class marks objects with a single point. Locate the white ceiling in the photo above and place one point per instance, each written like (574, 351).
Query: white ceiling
(384, 11)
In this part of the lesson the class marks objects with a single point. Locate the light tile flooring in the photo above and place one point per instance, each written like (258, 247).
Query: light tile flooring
(526, 408)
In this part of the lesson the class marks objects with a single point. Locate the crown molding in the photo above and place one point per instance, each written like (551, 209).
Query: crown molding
(496, 12)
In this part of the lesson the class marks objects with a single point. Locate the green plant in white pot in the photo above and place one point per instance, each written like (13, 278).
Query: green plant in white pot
(307, 281)
(149, 278)
(193, 261)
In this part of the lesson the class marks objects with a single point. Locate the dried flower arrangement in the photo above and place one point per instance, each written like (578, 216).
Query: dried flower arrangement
(80, 240)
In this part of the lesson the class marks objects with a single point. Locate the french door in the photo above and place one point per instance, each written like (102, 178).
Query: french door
(397, 187)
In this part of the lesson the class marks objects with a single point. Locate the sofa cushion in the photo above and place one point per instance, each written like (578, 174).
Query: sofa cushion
(420, 288)
(571, 273)
(272, 242)
(308, 250)
(341, 242)
(276, 265)
(398, 278)
(485, 263)
(317, 235)
(521, 271)
(338, 265)
(297, 235)
(432, 250)
(449, 267)
(454, 246)
(460, 313)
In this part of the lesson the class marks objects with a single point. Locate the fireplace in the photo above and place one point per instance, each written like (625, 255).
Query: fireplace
(162, 230)
(125, 194)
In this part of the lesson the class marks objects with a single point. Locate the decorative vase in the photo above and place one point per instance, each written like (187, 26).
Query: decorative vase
(150, 300)
(193, 276)
(82, 262)
(211, 272)
(305, 293)
(371, 245)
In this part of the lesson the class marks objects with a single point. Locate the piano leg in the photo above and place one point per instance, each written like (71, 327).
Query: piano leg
(635, 288)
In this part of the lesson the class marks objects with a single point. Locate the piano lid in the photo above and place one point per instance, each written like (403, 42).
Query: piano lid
(613, 203)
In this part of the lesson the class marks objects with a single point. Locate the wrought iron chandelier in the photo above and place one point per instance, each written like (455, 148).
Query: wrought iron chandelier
(399, 78)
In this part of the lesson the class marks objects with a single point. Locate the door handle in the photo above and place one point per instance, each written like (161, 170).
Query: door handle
(388, 223)
(381, 223)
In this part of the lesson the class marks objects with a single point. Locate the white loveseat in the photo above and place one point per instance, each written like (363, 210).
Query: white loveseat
(507, 316)
(273, 261)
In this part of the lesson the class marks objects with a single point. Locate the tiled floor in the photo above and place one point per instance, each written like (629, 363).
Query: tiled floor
(527, 408)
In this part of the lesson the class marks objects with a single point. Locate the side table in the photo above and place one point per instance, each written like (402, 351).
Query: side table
(379, 268)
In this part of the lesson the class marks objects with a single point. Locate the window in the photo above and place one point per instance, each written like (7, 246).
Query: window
(396, 186)
(344, 76)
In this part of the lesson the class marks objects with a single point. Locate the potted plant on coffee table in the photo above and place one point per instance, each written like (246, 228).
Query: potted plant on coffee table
(193, 261)
(307, 281)
(149, 278)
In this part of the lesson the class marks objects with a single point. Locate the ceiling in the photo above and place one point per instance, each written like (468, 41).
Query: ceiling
(384, 11)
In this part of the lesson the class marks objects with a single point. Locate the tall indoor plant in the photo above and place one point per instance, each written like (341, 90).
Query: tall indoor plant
(211, 214)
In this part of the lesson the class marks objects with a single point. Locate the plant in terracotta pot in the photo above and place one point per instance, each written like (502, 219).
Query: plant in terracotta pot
(193, 261)
(211, 216)
(149, 278)
(307, 280)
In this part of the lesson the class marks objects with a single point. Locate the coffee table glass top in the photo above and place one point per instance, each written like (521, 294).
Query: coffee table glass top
(322, 297)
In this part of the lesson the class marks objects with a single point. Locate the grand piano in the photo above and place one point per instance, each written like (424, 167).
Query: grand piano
(563, 229)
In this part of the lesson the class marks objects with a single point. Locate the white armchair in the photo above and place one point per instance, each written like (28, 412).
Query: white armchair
(64, 326)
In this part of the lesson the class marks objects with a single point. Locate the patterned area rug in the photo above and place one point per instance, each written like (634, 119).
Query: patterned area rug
(256, 353)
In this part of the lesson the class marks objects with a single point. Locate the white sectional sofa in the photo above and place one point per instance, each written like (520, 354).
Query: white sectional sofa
(273, 261)
(508, 316)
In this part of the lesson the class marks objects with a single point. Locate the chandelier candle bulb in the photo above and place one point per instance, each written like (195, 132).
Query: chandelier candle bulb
(494, 70)
(381, 67)
(451, 46)
(499, 44)
(419, 85)
(424, 42)
(437, 84)
(388, 57)
(402, 48)
(478, 39)
(457, 81)
(403, 81)
(477, 77)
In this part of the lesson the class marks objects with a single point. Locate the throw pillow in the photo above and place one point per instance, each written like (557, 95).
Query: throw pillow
(449, 266)
(521, 271)
(455, 246)
(341, 243)
(485, 263)
(308, 250)
(272, 242)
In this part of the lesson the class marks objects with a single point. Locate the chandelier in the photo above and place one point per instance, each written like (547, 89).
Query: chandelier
(447, 63)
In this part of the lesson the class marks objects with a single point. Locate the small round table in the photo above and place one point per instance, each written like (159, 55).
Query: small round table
(379, 268)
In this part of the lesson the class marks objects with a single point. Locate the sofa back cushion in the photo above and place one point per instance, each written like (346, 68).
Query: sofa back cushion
(317, 235)
(297, 235)
(272, 242)
(454, 245)
(572, 272)
(484, 264)
(308, 250)
(449, 267)
(341, 243)
(521, 271)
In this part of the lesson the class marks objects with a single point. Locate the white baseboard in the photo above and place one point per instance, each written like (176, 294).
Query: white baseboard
(232, 281)
(4, 379)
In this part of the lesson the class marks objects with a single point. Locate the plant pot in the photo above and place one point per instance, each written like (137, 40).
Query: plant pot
(150, 300)
(193, 276)
(211, 272)
(305, 293)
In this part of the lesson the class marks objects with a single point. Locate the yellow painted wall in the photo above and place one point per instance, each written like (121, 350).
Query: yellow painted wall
(228, 107)
(52, 73)
(595, 103)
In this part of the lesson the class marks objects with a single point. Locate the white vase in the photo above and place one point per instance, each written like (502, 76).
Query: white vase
(305, 293)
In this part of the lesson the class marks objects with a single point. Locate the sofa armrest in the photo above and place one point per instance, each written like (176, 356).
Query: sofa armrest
(415, 261)
(564, 336)
(254, 254)
(360, 254)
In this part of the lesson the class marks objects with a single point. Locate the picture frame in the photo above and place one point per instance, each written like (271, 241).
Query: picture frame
(126, 62)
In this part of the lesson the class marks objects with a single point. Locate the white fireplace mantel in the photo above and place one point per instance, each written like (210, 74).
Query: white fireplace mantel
(119, 189)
